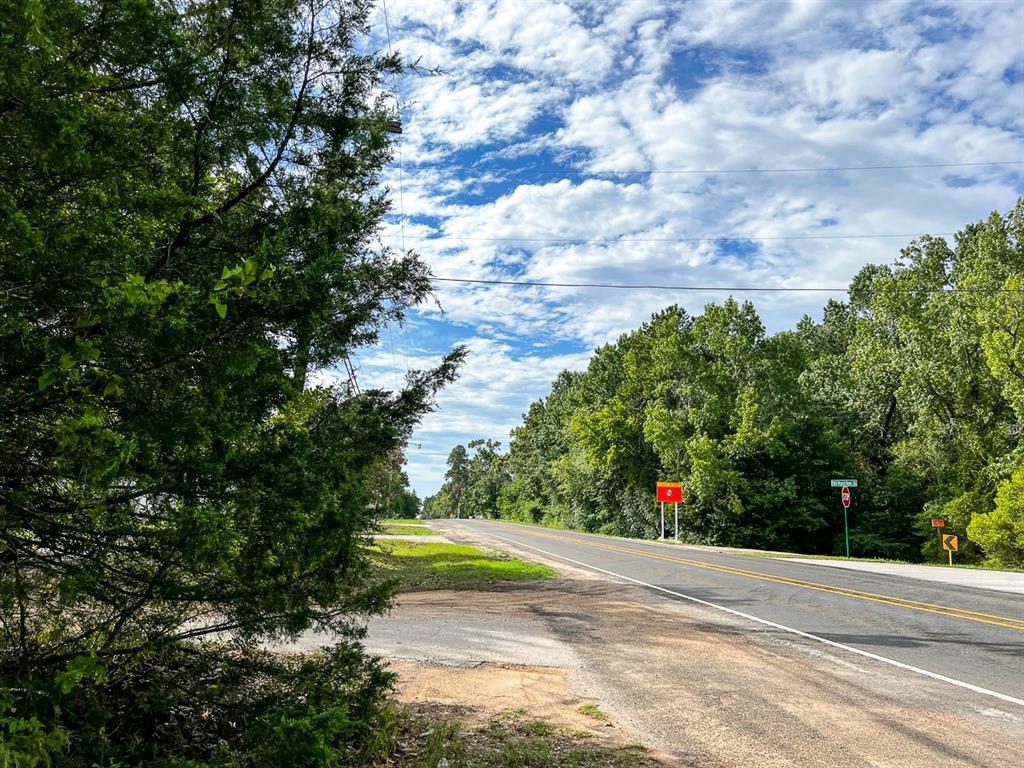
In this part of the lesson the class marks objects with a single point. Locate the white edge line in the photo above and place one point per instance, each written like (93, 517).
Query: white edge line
(783, 627)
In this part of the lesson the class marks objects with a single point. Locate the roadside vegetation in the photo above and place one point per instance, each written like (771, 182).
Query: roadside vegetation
(404, 528)
(913, 385)
(189, 236)
(435, 737)
(423, 566)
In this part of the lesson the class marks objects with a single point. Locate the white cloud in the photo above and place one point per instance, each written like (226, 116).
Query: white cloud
(496, 385)
(703, 85)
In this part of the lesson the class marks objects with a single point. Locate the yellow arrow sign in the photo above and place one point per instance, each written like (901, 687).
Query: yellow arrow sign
(949, 543)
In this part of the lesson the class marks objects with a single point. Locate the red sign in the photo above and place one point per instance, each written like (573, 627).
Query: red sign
(845, 496)
(670, 492)
(938, 522)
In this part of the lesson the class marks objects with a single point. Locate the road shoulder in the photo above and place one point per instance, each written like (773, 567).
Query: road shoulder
(710, 689)
(997, 581)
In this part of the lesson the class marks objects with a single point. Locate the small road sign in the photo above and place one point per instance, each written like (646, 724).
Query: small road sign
(950, 543)
(938, 522)
(845, 496)
(851, 483)
(670, 492)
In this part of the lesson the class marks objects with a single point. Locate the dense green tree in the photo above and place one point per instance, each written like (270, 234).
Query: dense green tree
(476, 476)
(486, 474)
(190, 198)
(437, 506)
(942, 334)
(1001, 532)
(390, 495)
(457, 477)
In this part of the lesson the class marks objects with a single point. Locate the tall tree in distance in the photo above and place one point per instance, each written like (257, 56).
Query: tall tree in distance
(457, 477)
(187, 223)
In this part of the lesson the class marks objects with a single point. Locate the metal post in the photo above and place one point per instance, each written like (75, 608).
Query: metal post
(846, 529)
(950, 556)
(677, 521)
(663, 519)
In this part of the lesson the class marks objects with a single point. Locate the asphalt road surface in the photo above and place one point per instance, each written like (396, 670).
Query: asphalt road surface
(970, 639)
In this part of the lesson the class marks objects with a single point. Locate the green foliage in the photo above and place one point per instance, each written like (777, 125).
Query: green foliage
(1000, 533)
(25, 742)
(591, 710)
(440, 505)
(187, 233)
(457, 476)
(511, 741)
(913, 388)
(473, 483)
(389, 488)
(218, 705)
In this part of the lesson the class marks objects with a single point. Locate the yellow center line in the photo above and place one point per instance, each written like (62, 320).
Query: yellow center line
(1007, 622)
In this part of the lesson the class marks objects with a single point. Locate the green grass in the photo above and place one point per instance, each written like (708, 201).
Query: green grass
(421, 566)
(403, 521)
(407, 530)
(591, 710)
(506, 742)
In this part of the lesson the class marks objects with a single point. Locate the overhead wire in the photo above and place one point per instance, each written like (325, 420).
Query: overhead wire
(714, 239)
(710, 171)
(704, 288)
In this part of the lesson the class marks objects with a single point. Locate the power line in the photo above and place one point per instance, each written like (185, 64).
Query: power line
(710, 171)
(717, 239)
(703, 288)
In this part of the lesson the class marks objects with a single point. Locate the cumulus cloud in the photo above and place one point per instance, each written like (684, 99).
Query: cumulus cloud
(527, 160)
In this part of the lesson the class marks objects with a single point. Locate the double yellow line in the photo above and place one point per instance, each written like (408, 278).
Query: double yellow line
(1008, 622)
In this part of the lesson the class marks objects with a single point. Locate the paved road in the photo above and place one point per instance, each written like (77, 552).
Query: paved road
(973, 637)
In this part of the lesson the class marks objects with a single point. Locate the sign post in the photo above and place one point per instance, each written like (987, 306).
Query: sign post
(938, 522)
(844, 496)
(951, 544)
(673, 493)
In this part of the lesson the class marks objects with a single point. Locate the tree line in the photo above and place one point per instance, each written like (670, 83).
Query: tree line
(914, 386)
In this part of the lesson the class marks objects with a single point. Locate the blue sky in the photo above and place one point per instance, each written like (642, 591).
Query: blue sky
(549, 114)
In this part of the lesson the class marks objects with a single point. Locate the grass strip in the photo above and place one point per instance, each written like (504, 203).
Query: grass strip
(423, 566)
(407, 530)
(433, 738)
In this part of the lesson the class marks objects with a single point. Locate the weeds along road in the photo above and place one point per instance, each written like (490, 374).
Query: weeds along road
(969, 640)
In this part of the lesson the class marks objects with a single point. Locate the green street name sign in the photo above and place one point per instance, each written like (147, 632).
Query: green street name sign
(841, 483)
